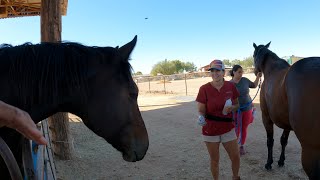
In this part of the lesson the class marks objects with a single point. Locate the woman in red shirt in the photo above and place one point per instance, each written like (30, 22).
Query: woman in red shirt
(216, 119)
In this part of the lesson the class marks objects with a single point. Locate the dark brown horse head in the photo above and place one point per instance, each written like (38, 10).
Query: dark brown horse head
(94, 83)
(112, 108)
(258, 55)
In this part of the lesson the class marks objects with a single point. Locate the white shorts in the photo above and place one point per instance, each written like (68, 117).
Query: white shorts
(226, 137)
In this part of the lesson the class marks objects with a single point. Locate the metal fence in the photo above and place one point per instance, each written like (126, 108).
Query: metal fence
(168, 84)
(179, 84)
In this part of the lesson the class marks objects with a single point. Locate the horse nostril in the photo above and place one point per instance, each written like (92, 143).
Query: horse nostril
(140, 149)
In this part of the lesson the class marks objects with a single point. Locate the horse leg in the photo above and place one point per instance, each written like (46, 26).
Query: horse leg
(284, 142)
(268, 125)
(310, 158)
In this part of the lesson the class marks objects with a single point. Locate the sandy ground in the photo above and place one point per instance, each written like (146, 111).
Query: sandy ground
(176, 150)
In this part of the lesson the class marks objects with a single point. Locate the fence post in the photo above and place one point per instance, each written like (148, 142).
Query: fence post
(164, 84)
(185, 82)
(149, 84)
(50, 22)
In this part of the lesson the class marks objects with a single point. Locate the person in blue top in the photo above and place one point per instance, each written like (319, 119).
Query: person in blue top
(246, 117)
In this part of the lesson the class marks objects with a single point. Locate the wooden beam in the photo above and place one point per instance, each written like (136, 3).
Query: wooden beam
(50, 21)
(58, 123)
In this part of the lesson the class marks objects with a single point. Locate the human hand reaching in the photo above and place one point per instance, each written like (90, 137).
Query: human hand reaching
(21, 121)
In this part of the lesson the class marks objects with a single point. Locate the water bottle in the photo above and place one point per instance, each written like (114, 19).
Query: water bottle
(227, 104)
(201, 120)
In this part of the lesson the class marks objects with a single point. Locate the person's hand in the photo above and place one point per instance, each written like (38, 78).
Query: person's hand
(201, 120)
(21, 121)
(259, 74)
(229, 109)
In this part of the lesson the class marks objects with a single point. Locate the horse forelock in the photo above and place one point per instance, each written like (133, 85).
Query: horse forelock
(259, 56)
(56, 69)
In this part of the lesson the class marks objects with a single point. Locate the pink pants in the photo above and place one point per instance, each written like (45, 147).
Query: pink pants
(247, 119)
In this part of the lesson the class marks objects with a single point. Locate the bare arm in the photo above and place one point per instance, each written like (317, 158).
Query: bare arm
(257, 79)
(236, 105)
(20, 120)
(201, 109)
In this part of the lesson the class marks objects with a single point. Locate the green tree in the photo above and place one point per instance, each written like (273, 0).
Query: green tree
(171, 67)
(226, 62)
(164, 67)
(189, 66)
(138, 73)
(235, 61)
(247, 62)
(178, 66)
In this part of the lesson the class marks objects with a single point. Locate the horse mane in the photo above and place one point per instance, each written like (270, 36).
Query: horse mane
(56, 69)
(264, 53)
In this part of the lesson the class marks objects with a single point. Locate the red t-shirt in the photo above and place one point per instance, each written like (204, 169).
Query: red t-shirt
(214, 101)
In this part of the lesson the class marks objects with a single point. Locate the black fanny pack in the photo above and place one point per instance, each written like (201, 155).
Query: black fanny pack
(216, 118)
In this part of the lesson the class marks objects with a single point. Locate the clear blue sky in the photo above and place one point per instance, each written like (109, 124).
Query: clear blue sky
(188, 30)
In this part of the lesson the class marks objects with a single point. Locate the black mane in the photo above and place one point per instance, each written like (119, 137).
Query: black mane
(55, 68)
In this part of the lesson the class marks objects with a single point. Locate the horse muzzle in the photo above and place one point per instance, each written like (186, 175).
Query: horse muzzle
(136, 152)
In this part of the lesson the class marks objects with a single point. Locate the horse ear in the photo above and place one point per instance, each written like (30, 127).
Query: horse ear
(254, 45)
(117, 47)
(126, 49)
(267, 46)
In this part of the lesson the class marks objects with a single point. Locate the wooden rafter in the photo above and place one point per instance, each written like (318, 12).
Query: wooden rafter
(18, 8)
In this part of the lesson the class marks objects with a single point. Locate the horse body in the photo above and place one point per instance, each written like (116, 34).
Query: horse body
(272, 97)
(289, 99)
(93, 83)
(303, 90)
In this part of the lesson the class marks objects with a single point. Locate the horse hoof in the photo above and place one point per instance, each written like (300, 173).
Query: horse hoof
(280, 163)
(268, 166)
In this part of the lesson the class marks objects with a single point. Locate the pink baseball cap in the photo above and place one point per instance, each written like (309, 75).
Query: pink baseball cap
(216, 64)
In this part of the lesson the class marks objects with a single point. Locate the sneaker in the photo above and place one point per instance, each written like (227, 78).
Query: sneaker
(242, 151)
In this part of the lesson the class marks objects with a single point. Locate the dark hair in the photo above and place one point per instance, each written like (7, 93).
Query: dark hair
(234, 69)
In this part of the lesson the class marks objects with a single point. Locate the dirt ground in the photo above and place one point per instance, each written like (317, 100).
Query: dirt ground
(176, 149)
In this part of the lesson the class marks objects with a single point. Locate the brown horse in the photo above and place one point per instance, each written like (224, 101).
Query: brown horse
(94, 83)
(289, 98)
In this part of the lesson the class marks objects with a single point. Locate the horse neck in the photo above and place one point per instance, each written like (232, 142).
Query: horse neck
(39, 104)
(274, 66)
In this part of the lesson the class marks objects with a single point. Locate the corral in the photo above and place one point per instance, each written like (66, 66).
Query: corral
(176, 150)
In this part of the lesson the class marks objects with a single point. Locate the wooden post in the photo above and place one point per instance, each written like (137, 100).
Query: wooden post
(60, 135)
(58, 123)
(164, 84)
(185, 82)
(149, 84)
(50, 21)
